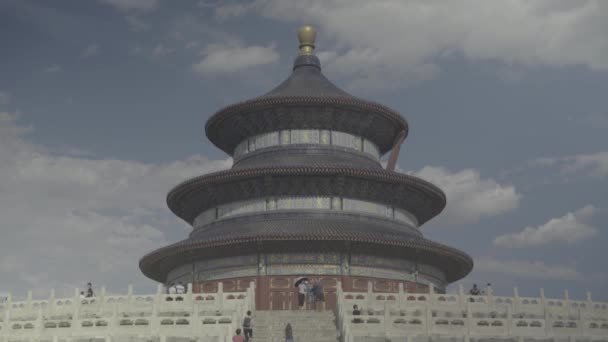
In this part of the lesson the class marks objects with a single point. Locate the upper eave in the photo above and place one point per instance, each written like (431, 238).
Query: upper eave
(373, 121)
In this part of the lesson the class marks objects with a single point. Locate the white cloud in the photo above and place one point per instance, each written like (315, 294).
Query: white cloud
(232, 58)
(68, 219)
(5, 98)
(527, 269)
(469, 197)
(383, 41)
(136, 24)
(125, 5)
(565, 229)
(90, 50)
(595, 164)
(52, 68)
(161, 50)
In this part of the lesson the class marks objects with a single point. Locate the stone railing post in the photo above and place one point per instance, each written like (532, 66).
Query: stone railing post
(431, 294)
(509, 321)
(516, 300)
(489, 298)
(370, 293)
(220, 294)
(39, 323)
(130, 294)
(77, 304)
(28, 304)
(461, 298)
(543, 302)
(190, 293)
(51, 305)
(567, 299)
(400, 295)
(468, 320)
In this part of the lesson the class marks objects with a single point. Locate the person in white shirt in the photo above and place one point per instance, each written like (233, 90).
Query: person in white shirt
(302, 289)
(172, 289)
(180, 288)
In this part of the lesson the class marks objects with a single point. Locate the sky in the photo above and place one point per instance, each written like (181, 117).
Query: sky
(103, 104)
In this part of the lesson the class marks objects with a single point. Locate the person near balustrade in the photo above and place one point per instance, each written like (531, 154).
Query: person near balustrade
(357, 312)
(474, 292)
(302, 289)
(248, 326)
(180, 288)
(90, 290)
(238, 337)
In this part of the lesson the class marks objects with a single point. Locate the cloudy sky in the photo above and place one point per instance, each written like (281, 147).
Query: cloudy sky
(102, 105)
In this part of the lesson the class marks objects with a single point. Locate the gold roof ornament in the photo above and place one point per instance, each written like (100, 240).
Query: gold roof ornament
(306, 36)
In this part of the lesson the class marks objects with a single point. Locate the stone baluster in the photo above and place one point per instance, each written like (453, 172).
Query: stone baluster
(469, 321)
(401, 295)
(516, 300)
(28, 304)
(431, 294)
(102, 296)
(130, 294)
(39, 323)
(509, 320)
(189, 293)
(220, 295)
(370, 293)
(77, 305)
(462, 300)
(567, 299)
(489, 298)
(7, 314)
(543, 303)
(51, 304)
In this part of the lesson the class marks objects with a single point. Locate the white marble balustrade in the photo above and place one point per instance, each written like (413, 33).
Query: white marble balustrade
(409, 317)
(155, 317)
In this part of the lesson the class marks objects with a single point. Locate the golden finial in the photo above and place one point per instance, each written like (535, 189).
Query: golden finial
(306, 36)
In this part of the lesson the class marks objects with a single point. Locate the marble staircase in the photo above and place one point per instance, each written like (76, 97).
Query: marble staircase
(308, 326)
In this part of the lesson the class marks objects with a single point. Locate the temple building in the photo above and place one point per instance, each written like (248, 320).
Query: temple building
(307, 196)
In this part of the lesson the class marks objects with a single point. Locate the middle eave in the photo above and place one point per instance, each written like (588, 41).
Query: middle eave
(419, 197)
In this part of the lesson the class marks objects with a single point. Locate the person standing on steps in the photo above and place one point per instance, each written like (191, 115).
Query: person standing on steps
(238, 337)
(248, 326)
(288, 333)
(302, 289)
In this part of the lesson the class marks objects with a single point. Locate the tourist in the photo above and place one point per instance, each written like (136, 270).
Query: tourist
(357, 312)
(310, 287)
(248, 326)
(288, 333)
(90, 290)
(474, 292)
(180, 288)
(238, 337)
(317, 290)
(301, 294)
(82, 296)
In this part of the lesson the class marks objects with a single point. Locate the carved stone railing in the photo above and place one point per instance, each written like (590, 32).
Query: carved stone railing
(201, 316)
(403, 315)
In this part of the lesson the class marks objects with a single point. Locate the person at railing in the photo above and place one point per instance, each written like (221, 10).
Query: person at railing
(301, 294)
(248, 326)
(180, 288)
(288, 333)
(238, 337)
(90, 290)
(474, 292)
(357, 312)
(82, 296)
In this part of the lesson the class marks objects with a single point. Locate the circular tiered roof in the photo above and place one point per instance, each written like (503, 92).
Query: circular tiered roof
(305, 100)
